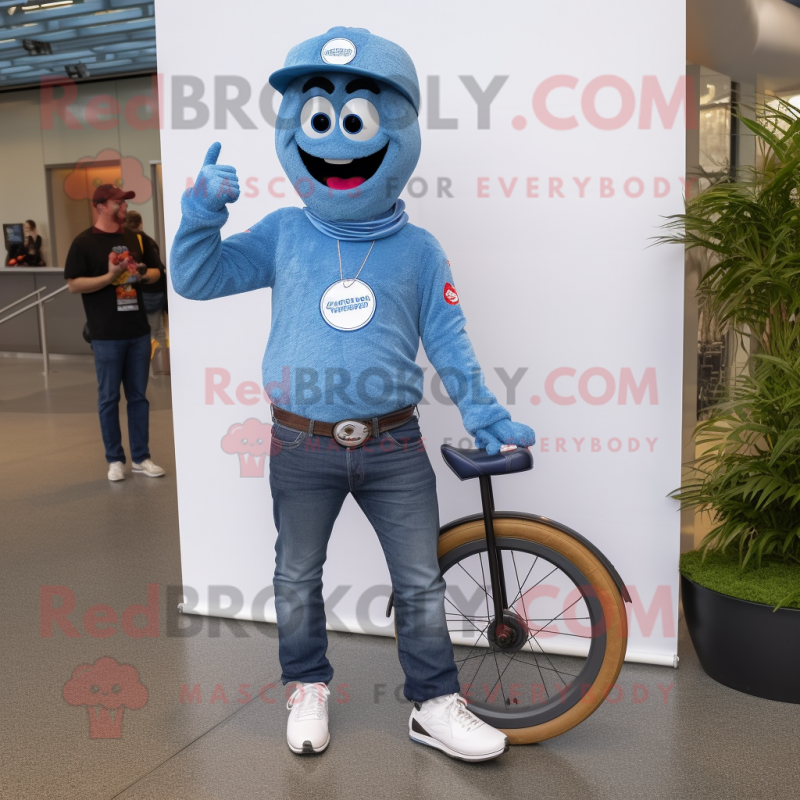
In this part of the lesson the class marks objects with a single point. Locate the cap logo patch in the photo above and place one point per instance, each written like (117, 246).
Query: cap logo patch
(338, 51)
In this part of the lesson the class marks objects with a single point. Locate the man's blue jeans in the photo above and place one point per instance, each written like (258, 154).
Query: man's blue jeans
(393, 482)
(123, 362)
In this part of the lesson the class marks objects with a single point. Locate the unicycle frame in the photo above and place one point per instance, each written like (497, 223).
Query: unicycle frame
(499, 598)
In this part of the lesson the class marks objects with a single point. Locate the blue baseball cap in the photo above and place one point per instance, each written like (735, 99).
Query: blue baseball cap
(353, 50)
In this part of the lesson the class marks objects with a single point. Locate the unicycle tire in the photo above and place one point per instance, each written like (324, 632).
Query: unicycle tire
(572, 661)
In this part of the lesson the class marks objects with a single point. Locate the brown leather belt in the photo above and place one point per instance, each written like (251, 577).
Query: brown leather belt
(341, 430)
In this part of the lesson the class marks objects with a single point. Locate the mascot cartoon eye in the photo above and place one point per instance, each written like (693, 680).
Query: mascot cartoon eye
(317, 117)
(359, 119)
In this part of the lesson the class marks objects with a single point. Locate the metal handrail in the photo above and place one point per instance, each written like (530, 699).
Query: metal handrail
(41, 300)
(16, 302)
(39, 303)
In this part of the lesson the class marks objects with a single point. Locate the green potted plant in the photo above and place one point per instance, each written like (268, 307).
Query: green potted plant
(741, 588)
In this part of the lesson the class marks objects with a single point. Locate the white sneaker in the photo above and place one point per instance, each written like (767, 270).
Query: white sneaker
(148, 468)
(307, 729)
(446, 724)
(115, 471)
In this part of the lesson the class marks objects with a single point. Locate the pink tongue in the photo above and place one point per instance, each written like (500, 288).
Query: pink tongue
(344, 183)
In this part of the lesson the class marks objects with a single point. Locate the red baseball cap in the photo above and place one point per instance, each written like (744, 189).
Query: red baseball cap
(110, 192)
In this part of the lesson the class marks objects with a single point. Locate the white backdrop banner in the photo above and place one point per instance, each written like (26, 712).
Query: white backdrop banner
(552, 147)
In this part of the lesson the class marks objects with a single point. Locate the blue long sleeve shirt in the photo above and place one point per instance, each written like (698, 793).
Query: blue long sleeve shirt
(311, 368)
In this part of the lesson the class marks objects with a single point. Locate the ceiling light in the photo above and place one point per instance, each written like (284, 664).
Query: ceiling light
(11, 10)
(78, 70)
(42, 6)
(37, 48)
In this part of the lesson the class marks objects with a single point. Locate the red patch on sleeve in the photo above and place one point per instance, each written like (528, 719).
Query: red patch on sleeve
(450, 294)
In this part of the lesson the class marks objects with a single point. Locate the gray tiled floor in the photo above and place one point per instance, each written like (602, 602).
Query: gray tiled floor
(63, 524)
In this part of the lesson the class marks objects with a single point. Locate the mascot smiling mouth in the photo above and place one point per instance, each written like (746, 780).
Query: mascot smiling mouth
(342, 173)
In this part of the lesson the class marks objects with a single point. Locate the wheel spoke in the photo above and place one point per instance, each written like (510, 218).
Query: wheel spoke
(481, 632)
(519, 594)
(528, 664)
(540, 645)
(520, 585)
(562, 633)
(473, 579)
(535, 585)
(552, 666)
(485, 590)
(516, 575)
(514, 657)
(555, 619)
(499, 679)
(467, 658)
(468, 619)
(485, 653)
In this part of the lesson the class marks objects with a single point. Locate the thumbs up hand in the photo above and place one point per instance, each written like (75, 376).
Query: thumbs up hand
(216, 185)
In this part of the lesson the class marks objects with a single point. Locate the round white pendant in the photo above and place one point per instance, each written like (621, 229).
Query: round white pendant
(347, 305)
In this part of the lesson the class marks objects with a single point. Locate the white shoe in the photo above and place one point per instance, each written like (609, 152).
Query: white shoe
(148, 468)
(307, 729)
(115, 471)
(446, 724)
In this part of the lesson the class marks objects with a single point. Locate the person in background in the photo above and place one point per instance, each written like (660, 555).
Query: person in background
(154, 294)
(29, 253)
(104, 266)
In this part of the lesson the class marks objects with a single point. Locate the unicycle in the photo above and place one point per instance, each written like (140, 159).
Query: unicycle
(535, 611)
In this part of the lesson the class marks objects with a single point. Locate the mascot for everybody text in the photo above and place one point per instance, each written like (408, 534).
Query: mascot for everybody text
(355, 287)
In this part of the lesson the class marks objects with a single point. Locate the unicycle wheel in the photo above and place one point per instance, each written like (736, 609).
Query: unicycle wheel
(564, 633)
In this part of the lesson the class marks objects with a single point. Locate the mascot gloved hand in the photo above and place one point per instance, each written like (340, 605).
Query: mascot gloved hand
(504, 432)
(216, 185)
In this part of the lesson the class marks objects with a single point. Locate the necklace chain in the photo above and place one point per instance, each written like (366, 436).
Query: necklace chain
(341, 276)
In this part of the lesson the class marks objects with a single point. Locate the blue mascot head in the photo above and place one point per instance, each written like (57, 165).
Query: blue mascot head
(347, 133)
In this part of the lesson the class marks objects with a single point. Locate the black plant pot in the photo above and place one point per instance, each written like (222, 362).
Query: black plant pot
(744, 645)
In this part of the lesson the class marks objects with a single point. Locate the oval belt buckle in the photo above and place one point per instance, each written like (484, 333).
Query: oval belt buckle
(351, 433)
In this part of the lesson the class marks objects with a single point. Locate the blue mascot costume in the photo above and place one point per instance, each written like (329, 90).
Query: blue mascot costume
(355, 287)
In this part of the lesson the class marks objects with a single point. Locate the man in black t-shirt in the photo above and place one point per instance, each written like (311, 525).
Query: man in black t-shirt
(107, 266)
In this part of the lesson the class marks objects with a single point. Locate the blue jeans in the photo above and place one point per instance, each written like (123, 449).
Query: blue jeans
(393, 482)
(123, 362)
